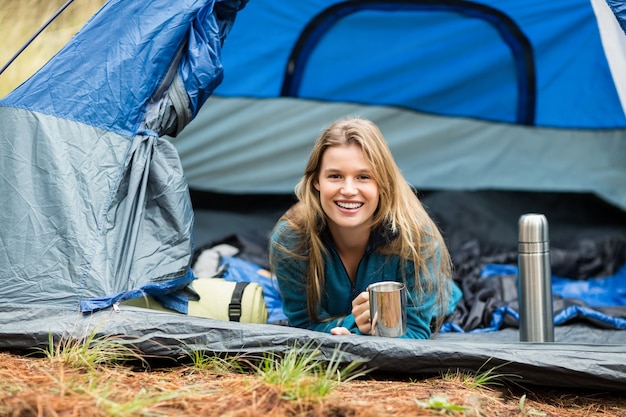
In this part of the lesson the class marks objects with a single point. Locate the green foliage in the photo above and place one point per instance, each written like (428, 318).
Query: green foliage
(440, 404)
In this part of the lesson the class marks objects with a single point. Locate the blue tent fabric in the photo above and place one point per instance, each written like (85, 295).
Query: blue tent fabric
(509, 44)
(321, 25)
(95, 206)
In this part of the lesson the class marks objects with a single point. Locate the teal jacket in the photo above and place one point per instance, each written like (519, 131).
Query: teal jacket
(339, 291)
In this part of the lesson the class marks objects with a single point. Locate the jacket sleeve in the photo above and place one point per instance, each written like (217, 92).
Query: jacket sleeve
(418, 314)
(291, 275)
(422, 307)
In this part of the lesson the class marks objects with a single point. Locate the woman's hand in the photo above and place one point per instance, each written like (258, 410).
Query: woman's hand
(339, 331)
(361, 312)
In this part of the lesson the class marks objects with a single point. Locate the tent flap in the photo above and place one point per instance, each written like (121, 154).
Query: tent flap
(95, 206)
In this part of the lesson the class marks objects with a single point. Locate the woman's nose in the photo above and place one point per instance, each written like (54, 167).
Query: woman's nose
(348, 187)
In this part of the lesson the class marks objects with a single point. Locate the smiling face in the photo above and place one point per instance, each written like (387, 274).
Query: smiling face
(348, 192)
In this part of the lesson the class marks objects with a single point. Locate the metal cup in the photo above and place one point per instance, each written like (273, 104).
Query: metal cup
(388, 308)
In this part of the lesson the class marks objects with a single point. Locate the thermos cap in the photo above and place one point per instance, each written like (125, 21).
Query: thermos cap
(533, 228)
(533, 234)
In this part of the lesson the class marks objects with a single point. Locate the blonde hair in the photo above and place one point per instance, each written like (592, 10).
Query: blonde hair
(399, 210)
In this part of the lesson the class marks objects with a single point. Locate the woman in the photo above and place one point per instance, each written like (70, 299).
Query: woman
(357, 221)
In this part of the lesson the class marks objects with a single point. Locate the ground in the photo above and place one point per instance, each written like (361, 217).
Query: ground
(48, 386)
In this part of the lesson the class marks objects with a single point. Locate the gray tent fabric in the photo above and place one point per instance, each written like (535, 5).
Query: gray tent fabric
(65, 242)
(434, 152)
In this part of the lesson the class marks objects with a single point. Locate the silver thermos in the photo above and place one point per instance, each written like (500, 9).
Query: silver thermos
(534, 280)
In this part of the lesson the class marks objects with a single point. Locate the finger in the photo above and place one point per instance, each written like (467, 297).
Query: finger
(360, 299)
(339, 331)
(360, 304)
(363, 321)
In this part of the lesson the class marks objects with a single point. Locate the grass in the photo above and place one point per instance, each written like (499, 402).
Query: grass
(91, 351)
(440, 404)
(102, 390)
(483, 377)
(203, 361)
(98, 361)
(301, 375)
(297, 383)
(529, 412)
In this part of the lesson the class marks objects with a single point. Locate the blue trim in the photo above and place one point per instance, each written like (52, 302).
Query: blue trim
(619, 10)
(165, 292)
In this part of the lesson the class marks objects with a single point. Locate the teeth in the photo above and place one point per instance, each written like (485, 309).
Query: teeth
(349, 205)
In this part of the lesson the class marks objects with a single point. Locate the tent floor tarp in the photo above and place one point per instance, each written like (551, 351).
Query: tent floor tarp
(581, 357)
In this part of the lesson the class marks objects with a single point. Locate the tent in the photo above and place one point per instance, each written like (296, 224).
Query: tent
(534, 99)
(124, 154)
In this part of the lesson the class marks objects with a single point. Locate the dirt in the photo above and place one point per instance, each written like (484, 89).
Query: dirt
(32, 386)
